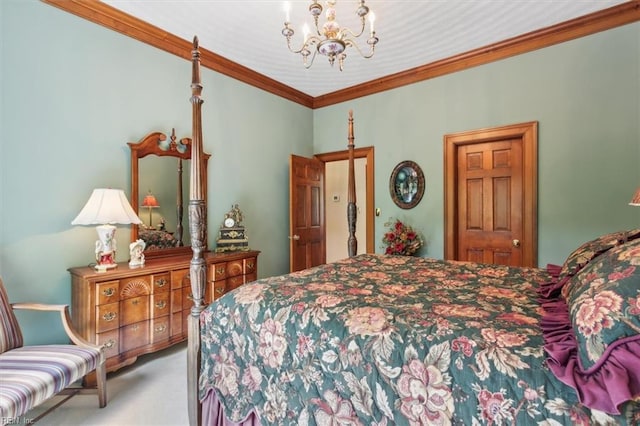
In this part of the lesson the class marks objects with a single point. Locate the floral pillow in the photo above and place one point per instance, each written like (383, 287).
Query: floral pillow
(604, 302)
(590, 250)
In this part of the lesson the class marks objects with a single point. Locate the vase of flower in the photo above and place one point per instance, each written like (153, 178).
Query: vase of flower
(401, 239)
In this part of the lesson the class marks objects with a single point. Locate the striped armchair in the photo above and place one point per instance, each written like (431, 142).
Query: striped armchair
(30, 375)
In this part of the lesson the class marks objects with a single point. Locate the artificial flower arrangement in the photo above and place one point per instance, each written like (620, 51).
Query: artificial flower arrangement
(401, 239)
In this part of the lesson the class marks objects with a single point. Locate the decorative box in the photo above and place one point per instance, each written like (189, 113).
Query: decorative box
(232, 239)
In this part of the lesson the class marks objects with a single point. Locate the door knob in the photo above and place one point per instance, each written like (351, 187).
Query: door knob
(295, 237)
(516, 243)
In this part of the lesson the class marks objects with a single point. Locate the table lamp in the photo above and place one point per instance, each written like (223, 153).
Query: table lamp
(635, 200)
(104, 208)
(150, 202)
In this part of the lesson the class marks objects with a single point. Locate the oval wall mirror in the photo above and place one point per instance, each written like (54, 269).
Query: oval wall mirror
(406, 184)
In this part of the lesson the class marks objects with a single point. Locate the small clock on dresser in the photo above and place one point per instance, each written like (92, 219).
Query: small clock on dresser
(232, 235)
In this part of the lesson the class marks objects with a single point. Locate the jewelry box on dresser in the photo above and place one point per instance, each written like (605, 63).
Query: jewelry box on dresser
(138, 311)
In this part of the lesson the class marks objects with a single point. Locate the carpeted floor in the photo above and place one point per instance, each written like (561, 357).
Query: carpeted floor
(152, 391)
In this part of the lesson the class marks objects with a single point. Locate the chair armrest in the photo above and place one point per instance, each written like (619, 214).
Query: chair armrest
(66, 321)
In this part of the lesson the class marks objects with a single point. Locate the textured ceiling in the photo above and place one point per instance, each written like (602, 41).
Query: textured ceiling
(411, 33)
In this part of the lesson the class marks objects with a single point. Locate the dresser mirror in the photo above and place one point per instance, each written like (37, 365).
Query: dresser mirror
(160, 173)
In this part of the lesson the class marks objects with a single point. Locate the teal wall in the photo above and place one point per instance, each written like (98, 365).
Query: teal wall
(585, 95)
(74, 93)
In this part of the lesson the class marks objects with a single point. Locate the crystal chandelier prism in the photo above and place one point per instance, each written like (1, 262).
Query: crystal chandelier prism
(329, 39)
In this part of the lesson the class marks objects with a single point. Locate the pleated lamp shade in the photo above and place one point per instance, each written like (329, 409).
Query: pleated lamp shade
(635, 201)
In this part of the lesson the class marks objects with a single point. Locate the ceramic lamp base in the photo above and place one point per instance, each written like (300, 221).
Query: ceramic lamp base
(106, 247)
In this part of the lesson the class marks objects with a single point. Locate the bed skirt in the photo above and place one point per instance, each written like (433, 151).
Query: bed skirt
(213, 413)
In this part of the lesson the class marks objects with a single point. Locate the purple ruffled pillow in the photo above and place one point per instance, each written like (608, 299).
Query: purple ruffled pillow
(604, 302)
(592, 338)
(589, 251)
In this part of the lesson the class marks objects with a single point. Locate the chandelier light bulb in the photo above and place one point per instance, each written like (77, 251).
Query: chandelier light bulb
(287, 11)
(305, 32)
(372, 19)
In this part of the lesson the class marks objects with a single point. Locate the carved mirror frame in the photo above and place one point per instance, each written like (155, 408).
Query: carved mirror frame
(155, 144)
(406, 184)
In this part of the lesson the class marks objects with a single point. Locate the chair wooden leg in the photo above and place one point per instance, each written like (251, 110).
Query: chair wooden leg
(101, 379)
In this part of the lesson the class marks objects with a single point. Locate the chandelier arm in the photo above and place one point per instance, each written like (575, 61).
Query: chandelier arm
(313, 57)
(347, 30)
(311, 42)
(349, 42)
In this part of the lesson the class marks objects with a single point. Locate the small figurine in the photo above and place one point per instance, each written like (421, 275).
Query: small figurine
(136, 251)
(234, 217)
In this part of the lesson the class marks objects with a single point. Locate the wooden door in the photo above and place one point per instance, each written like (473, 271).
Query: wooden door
(306, 213)
(490, 202)
(490, 195)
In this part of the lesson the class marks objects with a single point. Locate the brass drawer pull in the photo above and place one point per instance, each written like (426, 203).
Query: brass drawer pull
(111, 343)
(220, 270)
(250, 265)
(135, 301)
(161, 305)
(109, 316)
(108, 291)
(161, 282)
(160, 328)
(219, 290)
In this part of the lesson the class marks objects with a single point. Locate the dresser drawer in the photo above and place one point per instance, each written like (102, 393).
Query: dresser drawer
(134, 335)
(107, 292)
(159, 329)
(250, 265)
(161, 282)
(219, 288)
(214, 290)
(235, 282)
(180, 278)
(135, 286)
(235, 268)
(185, 322)
(111, 342)
(176, 323)
(218, 271)
(187, 300)
(134, 309)
(160, 304)
(250, 277)
(107, 317)
(176, 300)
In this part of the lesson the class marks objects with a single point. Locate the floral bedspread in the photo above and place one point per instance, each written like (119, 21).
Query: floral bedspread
(382, 340)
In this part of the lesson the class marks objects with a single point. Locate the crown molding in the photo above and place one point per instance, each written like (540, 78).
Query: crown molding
(112, 18)
(589, 24)
(116, 20)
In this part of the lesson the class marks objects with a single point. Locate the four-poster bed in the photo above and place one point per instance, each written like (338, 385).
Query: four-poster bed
(381, 340)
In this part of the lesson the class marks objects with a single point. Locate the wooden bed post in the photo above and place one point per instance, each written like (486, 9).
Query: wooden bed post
(351, 198)
(198, 229)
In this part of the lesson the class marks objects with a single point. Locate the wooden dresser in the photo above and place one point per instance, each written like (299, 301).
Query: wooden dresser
(138, 311)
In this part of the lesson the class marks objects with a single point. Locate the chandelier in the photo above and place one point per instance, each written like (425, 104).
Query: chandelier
(329, 38)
